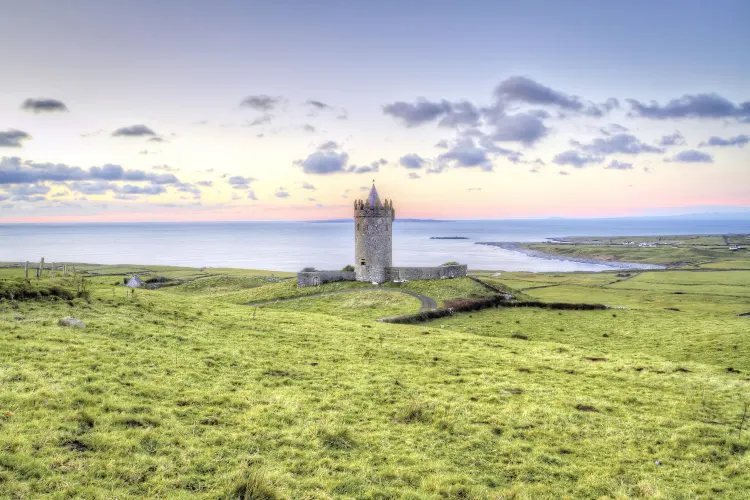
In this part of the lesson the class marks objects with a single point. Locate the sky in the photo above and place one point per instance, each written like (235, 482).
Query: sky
(246, 110)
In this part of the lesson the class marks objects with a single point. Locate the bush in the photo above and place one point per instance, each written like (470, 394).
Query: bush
(451, 263)
(308, 270)
(348, 268)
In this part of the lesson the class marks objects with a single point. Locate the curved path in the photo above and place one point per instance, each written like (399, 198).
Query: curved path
(427, 302)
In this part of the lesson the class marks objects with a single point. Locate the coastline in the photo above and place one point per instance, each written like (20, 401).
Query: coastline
(516, 247)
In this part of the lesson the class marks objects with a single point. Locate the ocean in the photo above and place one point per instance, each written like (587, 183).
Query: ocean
(290, 246)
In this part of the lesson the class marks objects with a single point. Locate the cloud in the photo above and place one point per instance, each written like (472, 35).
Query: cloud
(412, 161)
(617, 165)
(442, 144)
(738, 141)
(281, 194)
(691, 156)
(521, 127)
(465, 154)
(324, 163)
(166, 168)
(86, 187)
(319, 105)
(328, 146)
(475, 189)
(43, 105)
(14, 171)
(612, 128)
(675, 139)
(157, 139)
(12, 138)
(251, 195)
(528, 91)
(308, 128)
(32, 199)
(312, 199)
(460, 113)
(562, 172)
(205, 183)
(307, 185)
(240, 182)
(132, 189)
(28, 189)
(422, 111)
(618, 143)
(92, 134)
(133, 131)
(692, 106)
(261, 120)
(187, 187)
(575, 159)
(261, 102)
(365, 169)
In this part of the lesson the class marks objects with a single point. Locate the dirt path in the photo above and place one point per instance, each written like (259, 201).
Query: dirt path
(427, 302)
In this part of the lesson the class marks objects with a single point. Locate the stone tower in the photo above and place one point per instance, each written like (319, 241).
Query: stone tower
(373, 225)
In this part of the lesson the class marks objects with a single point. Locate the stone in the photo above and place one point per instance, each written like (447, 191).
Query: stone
(76, 323)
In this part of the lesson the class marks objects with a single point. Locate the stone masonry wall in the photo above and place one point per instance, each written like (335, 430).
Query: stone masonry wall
(426, 273)
(373, 245)
(315, 278)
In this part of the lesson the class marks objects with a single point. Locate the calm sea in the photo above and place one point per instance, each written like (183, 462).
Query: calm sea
(290, 246)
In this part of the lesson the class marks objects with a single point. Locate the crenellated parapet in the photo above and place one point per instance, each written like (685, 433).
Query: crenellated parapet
(380, 209)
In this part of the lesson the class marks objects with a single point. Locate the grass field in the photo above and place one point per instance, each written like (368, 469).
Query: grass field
(674, 251)
(186, 392)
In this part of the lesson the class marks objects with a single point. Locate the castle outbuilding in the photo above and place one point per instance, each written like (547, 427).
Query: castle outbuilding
(373, 250)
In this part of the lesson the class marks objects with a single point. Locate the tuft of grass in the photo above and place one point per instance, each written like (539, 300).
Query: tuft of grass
(336, 438)
(252, 485)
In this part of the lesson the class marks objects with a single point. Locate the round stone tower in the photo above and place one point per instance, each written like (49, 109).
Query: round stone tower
(373, 225)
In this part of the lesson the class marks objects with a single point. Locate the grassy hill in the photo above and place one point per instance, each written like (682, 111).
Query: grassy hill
(185, 392)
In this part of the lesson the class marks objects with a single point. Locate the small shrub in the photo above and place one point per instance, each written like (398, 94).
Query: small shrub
(348, 268)
(308, 270)
(451, 263)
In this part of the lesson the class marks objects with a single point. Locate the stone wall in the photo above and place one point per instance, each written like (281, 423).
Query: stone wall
(315, 278)
(425, 273)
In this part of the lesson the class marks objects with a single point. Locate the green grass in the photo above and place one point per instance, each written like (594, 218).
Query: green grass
(682, 251)
(185, 392)
(442, 290)
(217, 285)
(365, 306)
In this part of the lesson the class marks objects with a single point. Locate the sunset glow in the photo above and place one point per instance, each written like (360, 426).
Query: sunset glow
(267, 114)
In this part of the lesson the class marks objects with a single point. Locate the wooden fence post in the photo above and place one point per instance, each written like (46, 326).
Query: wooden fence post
(53, 271)
(26, 270)
(41, 268)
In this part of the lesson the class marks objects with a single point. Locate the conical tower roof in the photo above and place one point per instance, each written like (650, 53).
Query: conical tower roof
(373, 199)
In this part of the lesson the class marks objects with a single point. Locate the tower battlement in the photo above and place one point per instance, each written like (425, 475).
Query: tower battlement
(362, 208)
